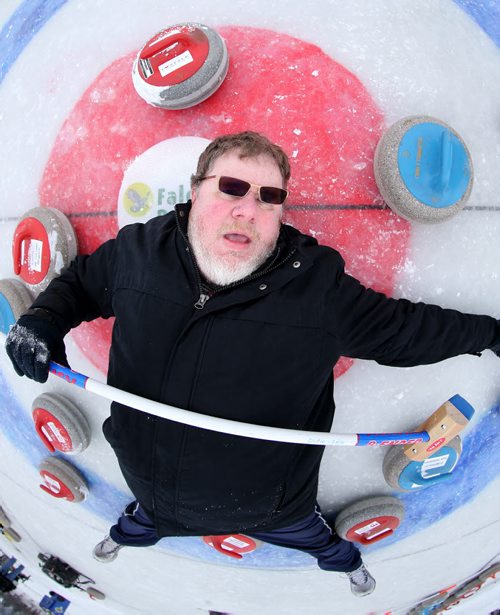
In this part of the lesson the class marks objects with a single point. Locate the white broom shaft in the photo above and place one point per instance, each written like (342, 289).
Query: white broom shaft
(261, 432)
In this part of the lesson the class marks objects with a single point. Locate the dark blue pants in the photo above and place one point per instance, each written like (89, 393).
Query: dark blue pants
(313, 535)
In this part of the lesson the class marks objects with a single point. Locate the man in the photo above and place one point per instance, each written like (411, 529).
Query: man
(222, 309)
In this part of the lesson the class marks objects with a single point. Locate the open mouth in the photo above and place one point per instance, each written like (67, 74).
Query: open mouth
(237, 238)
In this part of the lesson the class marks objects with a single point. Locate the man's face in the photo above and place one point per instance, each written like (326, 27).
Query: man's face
(231, 236)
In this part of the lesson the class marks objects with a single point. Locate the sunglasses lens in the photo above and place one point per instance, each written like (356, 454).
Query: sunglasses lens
(239, 188)
(233, 186)
(273, 196)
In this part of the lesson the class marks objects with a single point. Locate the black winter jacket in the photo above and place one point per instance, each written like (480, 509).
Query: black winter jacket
(259, 351)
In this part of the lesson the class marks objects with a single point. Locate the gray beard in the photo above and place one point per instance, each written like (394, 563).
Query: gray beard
(215, 270)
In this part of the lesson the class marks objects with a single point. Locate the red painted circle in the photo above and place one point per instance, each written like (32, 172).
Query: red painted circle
(291, 91)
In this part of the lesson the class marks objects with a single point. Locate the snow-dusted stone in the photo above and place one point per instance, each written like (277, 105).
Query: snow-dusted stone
(62, 480)
(404, 474)
(180, 66)
(423, 169)
(60, 424)
(370, 520)
(44, 243)
(15, 298)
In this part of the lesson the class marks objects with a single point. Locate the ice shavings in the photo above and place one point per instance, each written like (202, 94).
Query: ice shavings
(103, 96)
(222, 117)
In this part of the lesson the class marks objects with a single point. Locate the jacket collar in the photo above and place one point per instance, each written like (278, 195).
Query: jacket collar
(288, 261)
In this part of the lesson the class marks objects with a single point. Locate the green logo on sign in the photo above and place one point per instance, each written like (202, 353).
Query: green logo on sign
(138, 199)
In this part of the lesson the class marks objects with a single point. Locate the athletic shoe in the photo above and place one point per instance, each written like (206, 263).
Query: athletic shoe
(362, 582)
(106, 550)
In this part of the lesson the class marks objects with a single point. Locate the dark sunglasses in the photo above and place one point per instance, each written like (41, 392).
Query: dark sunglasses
(240, 188)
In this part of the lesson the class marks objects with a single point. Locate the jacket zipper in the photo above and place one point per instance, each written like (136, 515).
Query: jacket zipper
(204, 297)
(255, 276)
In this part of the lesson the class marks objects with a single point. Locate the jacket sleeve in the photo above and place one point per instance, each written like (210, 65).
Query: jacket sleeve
(83, 291)
(397, 332)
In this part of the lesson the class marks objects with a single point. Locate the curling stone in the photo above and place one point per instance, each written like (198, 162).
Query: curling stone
(180, 66)
(423, 169)
(60, 424)
(44, 243)
(233, 545)
(370, 520)
(404, 474)
(62, 480)
(15, 298)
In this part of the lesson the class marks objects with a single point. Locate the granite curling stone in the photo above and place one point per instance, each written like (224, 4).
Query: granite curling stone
(44, 244)
(15, 298)
(62, 480)
(180, 66)
(370, 520)
(423, 169)
(60, 424)
(404, 474)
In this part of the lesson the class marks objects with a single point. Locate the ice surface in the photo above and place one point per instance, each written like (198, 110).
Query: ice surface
(434, 57)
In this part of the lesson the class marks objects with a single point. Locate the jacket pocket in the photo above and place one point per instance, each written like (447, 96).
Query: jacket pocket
(238, 484)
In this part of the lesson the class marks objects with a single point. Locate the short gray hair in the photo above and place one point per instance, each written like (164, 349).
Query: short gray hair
(248, 144)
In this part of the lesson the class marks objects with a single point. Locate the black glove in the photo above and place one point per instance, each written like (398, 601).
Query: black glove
(496, 342)
(33, 342)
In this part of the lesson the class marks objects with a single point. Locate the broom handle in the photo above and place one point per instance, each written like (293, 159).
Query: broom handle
(204, 421)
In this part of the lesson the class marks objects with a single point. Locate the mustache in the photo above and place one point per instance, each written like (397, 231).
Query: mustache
(238, 227)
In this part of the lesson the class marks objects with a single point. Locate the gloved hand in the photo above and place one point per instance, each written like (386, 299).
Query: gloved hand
(33, 342)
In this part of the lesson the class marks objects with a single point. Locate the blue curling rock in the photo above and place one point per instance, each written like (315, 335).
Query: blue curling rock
(434, 164)
(15, 298)
(404, 474)
(423, 169)
(434, 469)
